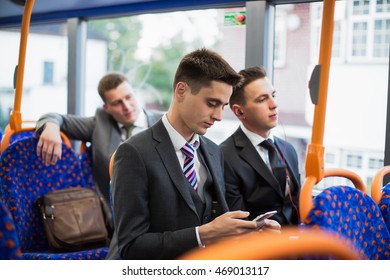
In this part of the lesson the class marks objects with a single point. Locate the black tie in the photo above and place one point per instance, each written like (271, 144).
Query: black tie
(277, 165)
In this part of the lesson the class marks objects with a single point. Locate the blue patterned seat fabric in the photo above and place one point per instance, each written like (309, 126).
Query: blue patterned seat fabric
(384, 204)
(9, 241)
(354, 217)
(24, 179)
(86, 167)
(21, 135)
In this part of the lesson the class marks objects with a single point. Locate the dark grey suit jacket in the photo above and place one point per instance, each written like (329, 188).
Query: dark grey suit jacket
(251, 186)
(154, 214)
(104, 134)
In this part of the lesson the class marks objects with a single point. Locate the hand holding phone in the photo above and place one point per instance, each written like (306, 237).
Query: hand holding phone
(260, 220)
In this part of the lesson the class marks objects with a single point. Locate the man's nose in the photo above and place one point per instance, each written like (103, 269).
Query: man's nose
(273, 103)
(217, 114)
(127, 104)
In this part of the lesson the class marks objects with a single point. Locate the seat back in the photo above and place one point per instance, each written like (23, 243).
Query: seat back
(111, 164)
(86, 165)
(9, 241)
(25, 178)
(353, 215)
(26, 131)
(384, 204)
(381, 193)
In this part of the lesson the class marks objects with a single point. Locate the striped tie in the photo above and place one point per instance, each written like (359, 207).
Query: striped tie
(188, 168)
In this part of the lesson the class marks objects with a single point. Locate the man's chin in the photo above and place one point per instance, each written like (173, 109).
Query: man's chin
(201, 131)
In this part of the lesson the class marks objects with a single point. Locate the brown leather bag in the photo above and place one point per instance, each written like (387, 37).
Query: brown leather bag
(73, 219)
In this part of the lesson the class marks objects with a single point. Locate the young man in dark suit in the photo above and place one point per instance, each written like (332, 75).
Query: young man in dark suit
(252, 183)
(105, 131)
(167, 201)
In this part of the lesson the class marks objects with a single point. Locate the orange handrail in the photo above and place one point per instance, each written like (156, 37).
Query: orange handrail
(314, 166)
(16, 116)
(315, 155)
(291, 242)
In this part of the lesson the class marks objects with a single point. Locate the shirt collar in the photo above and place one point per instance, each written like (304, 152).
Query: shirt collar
(141, 121)
(178, 141)
(254, 138)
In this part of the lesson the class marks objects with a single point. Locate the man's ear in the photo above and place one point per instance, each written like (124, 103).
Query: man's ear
(238, 111)
(105, 107)
(180, 89)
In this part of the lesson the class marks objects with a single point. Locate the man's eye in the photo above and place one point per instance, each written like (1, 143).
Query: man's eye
(212, 104)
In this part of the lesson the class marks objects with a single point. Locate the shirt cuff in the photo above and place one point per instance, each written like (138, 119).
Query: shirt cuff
(198, 238)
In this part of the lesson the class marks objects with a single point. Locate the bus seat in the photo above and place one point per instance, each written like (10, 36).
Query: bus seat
(11, 136)
(27, 131)
(111, 165)
(292, 242)
(24, 179)
(350, 213)
(381, 194)
(384, 205)
(9, 241)
(86, 164)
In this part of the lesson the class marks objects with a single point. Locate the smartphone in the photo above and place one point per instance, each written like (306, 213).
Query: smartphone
(260, 219)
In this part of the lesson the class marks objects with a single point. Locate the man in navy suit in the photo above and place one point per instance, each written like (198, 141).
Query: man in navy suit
(251, 182)
(158, 213)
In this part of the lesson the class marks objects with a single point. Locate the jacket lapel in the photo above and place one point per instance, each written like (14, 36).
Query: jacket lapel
(249, 154)
(214, 165)
(168, 156)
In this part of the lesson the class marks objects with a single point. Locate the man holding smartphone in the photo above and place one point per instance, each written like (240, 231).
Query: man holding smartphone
(261, 170)
(168, 187)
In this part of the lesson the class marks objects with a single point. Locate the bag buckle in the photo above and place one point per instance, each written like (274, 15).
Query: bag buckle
(51, 216)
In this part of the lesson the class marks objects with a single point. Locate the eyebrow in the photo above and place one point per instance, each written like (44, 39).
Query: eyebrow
(266, 94)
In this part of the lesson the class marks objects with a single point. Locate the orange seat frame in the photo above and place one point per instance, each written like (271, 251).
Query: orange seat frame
(290, 243)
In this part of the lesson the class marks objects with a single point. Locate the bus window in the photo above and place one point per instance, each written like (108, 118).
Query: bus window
(148, 48)
(357, 94)
(45, 78)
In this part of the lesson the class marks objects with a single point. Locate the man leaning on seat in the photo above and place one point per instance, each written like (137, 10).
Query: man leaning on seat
(104, 130)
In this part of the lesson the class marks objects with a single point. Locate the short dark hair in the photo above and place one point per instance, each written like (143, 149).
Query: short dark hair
(110, 81)
(249, 75)
(200, 67)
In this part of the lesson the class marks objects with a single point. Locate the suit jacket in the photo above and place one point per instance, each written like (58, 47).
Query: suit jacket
(251, 186)
(104, 134)
(154, 211)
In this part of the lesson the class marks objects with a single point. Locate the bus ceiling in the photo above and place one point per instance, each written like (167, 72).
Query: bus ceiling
(11, 11)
